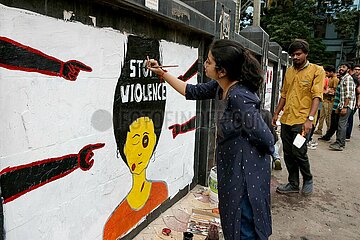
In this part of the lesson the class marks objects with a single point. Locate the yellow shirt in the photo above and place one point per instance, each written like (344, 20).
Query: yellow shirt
(333, 82)
(300, 87)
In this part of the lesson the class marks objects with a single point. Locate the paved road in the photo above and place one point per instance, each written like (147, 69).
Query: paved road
(333, 211)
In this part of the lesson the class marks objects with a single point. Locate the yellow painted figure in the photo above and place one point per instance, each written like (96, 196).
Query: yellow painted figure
(137, 128)
(139, 146)
(144, 195)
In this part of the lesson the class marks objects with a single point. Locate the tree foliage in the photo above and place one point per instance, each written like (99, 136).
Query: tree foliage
(286, 20)
(347, 23)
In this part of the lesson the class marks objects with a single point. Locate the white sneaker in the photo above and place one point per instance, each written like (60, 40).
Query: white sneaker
(311, 146)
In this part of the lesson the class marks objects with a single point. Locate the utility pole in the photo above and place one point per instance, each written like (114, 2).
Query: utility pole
(256, 13)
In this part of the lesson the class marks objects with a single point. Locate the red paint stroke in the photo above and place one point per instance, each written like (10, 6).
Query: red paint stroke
(183, 128)
(190, 72)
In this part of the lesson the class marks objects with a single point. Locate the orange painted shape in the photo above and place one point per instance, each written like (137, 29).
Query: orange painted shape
(125, 218)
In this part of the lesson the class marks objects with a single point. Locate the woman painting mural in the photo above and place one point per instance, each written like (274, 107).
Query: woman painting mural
(244, 141)
(138, 112)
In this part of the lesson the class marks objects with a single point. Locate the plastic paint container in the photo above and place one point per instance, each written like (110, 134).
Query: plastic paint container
(188, 236)
(213, 185)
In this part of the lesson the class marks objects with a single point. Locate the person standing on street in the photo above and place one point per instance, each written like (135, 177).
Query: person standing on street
(300, 97)
(355, 75)
(344, 104)
(321, 113)
(244, 142)
(267, 116)
(328, 98)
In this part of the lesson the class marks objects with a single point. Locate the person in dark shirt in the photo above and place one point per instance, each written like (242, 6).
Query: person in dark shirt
(244, 141)
(355, 74)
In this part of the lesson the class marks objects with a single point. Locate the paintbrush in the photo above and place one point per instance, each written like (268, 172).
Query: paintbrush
(162, 66)
(166, 66)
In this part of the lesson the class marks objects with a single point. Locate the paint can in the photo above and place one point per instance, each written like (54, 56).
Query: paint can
(213, 185)
(188, 236)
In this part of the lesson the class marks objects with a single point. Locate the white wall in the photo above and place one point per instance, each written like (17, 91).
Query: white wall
(45, 117)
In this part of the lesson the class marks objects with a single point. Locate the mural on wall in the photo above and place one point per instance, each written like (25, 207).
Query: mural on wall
(224, 23)
(151, 134)
(281, 75)
(138, 116)
(268, 86)
(18, 180)
(180, 128)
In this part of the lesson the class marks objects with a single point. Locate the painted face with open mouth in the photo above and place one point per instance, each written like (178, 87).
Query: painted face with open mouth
(140, 143)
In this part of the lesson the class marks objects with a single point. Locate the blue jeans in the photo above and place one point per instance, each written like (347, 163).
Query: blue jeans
(247, 230)
(276, 154)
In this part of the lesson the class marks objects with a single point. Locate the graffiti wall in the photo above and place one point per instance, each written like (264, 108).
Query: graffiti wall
(268, 86)
(89, 138)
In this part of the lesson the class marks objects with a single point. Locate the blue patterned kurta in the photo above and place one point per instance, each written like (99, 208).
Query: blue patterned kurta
(244, 143)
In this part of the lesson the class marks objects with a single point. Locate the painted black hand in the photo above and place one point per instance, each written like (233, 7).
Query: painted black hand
(70, 70)
(85, 155)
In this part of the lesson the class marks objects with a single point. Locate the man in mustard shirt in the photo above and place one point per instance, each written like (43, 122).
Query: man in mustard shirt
(300, 97)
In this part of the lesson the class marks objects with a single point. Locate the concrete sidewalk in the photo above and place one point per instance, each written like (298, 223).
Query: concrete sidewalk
(331, 212)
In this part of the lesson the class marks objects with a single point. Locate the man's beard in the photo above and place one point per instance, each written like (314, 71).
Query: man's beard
(342, 73)
(298, 64)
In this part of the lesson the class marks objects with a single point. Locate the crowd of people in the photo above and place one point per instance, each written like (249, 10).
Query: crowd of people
(245, 133)
(343, 100)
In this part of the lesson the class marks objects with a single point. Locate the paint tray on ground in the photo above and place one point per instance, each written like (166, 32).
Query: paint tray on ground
(201, 220)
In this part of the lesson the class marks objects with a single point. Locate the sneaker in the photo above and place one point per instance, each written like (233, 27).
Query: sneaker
(287, 188)
(347, 139)
(277, 164)
(336, 147)
(310, 146)
(318, 132)
(307, 188)
(323, 138)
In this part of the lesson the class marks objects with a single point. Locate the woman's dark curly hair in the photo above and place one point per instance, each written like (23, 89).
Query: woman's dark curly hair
(238, 62)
